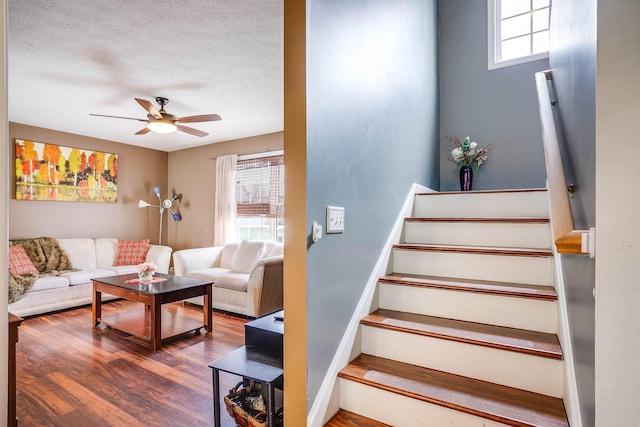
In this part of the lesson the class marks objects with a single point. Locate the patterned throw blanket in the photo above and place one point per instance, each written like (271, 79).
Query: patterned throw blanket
(20, 285)
(47, 256)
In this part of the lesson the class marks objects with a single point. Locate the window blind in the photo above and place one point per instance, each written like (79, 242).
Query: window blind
(260, 187)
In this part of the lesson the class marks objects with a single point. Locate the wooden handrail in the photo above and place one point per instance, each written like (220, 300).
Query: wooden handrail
(566, 238)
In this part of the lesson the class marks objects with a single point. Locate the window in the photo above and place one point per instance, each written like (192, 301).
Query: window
(518, 31)
(260, 197)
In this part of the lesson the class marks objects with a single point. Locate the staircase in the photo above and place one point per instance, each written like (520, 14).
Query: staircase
(465, 332)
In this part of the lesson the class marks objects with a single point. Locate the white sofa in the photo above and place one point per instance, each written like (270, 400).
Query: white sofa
(247, 278)
(89, 258)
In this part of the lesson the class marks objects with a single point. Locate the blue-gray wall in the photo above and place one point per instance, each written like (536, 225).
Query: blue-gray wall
(372, 131)
(490, 106)
(573, 63)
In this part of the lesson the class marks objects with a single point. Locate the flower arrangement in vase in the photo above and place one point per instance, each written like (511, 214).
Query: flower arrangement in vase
(146, 271)
(468, 155)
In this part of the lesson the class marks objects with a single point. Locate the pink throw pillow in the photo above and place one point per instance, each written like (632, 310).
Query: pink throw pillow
(19, 262)
(132, 252)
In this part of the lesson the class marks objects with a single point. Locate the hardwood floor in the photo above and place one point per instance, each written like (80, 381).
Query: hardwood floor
(72, 374)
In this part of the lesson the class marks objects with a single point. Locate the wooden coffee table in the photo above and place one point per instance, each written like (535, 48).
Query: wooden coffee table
(147, 322)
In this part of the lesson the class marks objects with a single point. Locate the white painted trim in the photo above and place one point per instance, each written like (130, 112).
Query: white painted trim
(492, 45)
(475, 266)
(483, 205)
(509, 368)
(516, 61)
(320, 409)
(374, 403)
(571, 399)
(500, 310)
(491, 33)
(504, 235)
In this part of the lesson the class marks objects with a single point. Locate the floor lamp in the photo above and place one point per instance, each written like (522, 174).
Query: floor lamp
(166, 204)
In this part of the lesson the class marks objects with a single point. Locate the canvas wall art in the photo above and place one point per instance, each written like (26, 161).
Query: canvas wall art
(54, 172)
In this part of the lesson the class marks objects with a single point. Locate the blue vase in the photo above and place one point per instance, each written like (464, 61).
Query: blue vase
(466, 178)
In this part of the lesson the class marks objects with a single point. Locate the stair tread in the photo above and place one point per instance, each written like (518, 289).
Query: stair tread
(492, 401)
(514, 220)
(500, 337)
(468, 285)
(463, 193)
(344, 418)
(485, 250)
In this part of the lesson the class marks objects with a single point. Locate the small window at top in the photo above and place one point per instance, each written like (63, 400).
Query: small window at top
(518, 31)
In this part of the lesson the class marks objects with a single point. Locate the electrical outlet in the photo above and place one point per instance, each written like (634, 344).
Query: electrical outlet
(335, 219)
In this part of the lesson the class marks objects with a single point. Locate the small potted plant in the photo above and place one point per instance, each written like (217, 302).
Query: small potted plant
(468, 155)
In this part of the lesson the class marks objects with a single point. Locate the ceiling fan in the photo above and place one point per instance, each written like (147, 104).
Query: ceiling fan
(162, 122)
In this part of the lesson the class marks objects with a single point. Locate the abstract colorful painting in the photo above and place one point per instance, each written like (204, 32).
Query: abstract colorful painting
(54, 172)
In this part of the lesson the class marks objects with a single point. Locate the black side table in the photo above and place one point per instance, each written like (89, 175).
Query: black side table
(252, 364)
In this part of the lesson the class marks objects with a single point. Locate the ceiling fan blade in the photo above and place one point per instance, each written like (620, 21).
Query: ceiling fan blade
(192, 131)
(118, 117)
(200, 118)
(143, 131)
(149, 107)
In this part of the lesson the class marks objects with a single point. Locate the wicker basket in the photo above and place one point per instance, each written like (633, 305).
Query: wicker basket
(236, 403)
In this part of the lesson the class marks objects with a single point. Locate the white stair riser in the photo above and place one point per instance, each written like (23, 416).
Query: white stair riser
(500, 310)
(506, 235)
(482, 205)
(400, 411)
(500, 268)
(523, 371)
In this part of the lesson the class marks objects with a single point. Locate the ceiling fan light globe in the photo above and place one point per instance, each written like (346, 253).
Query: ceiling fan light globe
(143, 204)
(162, 126)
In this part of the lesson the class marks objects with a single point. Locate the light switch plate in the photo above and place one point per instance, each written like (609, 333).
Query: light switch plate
(335, 219)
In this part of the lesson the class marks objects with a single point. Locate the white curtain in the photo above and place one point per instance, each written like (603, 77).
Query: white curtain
(224, 227)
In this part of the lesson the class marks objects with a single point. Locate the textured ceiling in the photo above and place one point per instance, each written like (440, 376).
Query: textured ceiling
(70, 58)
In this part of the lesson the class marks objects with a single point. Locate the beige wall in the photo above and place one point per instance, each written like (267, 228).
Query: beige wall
(139, 170)
(192, 173)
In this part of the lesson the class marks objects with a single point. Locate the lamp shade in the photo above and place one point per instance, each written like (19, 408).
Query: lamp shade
(167, 204)
(162, 126)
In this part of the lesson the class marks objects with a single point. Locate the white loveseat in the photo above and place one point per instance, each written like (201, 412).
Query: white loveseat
(247, 275)
(89, 258)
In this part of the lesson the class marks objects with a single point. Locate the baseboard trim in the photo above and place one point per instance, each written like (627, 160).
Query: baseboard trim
(571, 398)
(325, 404)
